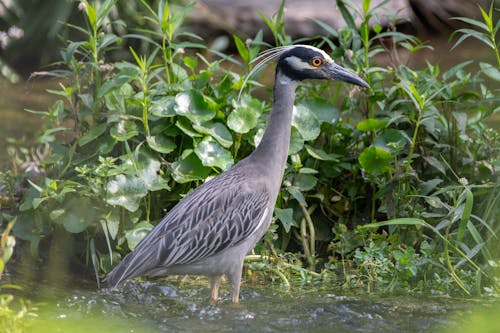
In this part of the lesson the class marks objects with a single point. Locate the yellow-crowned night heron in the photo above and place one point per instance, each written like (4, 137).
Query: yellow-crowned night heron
(210, 231)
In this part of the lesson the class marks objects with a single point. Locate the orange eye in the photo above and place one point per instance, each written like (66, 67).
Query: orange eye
(316, 61)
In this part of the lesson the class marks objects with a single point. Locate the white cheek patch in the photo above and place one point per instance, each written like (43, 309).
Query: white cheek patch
(298, 63)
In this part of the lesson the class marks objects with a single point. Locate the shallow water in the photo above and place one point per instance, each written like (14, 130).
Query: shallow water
(184, 307)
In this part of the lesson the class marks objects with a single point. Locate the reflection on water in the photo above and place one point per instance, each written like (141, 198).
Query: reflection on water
(168, 307)
(15, 122)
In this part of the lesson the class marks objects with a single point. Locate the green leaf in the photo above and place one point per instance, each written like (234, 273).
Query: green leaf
(434, 162)
(92, 134)
(149, 172)
(320, 154)
(392, 139)
(348, 19)
(135, 235)
(371, 124)
(244, 117)
(242, 49)
(296, 142)
(125, 191)
(305, 122)
(189, 168)
(212, 154)
(187, 127)
(305, 182)
(466, 212)
(218, 131)
(124, 130)
(375, 160)
(297, 194)
(491, 71)
(163, 107)
(161, 143)
(324, 111)
(193, 106)
(285, 216)
(398, 221)
(113, 222)
(78, 214)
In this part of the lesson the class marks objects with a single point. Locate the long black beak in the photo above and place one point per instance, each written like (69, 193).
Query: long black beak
(337, 72)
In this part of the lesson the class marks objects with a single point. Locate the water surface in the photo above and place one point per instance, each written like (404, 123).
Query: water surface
(176, 306)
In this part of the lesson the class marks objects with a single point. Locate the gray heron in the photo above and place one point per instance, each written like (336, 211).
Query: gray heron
(210, 231)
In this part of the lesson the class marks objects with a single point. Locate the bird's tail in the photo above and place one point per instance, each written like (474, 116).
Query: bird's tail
(123, 271)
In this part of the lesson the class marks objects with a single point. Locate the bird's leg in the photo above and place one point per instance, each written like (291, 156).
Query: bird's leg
(234, 279)
(215, 284)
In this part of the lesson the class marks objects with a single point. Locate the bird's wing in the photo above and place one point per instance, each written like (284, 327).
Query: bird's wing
(217, 215)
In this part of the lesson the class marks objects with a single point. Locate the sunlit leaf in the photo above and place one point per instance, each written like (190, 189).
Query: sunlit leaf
(371, 124)
(163, 107)
(212, 154)
(125, 191)
(490, 70)
(124, 130)
(149, 172)
(193, 106)
(243, 118)
(320, 154)
(161, 143)
(218, 131)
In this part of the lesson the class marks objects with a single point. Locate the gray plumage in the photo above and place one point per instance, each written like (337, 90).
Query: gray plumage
(210, 231)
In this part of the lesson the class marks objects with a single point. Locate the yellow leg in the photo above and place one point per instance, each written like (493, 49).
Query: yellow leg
(215, 284)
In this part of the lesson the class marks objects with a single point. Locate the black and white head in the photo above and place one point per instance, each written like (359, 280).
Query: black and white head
(300, 62)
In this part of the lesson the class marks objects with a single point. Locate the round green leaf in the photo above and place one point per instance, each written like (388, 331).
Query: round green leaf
(126, 191)
(243, 119)
(148, 172)
(193, 106)
(78, 215)
(375, 160)
(305, 182)
(161, 143)
(392, 139)
(212, 154)
(163, 107)
(305, 122)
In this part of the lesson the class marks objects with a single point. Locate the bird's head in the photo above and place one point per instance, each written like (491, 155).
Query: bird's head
(302, 62)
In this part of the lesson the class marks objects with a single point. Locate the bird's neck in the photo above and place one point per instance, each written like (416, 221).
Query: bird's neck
(272, 151)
